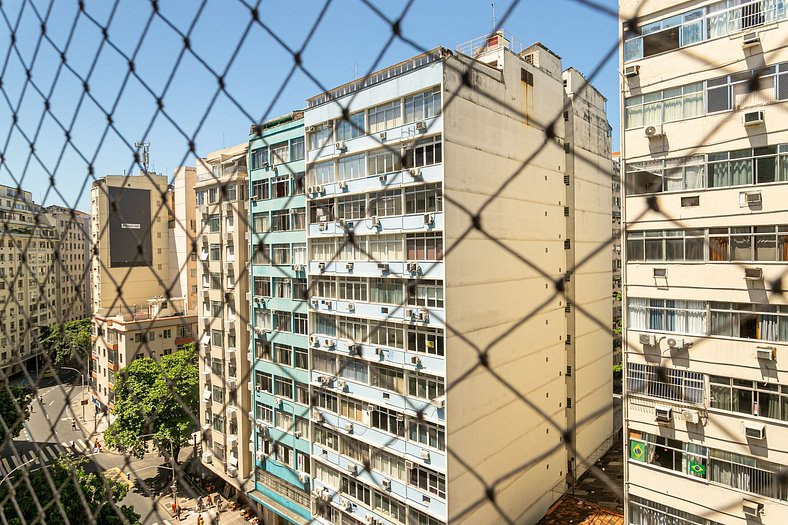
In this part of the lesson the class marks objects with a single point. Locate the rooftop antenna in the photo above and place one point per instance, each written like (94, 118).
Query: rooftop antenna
(355, 70)
(493, 16)
(145, 156)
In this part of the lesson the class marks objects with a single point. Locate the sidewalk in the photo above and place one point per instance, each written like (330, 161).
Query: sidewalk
(94, 425)
(189, 512)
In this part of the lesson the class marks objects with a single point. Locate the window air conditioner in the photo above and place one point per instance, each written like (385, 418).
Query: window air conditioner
(750, 40)
(324, 379)
(375, 221)
(425, 455)
(351, 307)
(349, 266)
(383, 267)
(341, 384)
(648, 339)
(663, 413)
(313, 338)
(676, 342)
(413, 267)
(424, 315)
(752, 509)
(352, 468)
(318, 189)
(631, 71)
(690, 416)
(321, 265)
(341, 146)
(653, 132)
(415, 172)
(328, 343)
(754, 430)
(342, 185)
(752, 198)
(439, 402)
(382, 135)
(660, 272)
(303, 477)
(415, 361)
(349, 428)
(386, 484)
(753, 118)
(766, 353)
(753, 274)
(429, 218)
(421, 126)
(378, 351)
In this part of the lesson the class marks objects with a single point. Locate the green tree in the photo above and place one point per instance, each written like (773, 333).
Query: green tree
(99, 501)
(158, 400)
(14, 410)
(67, 342)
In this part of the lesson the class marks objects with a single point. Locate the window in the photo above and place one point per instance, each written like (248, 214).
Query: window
(216, 252)
(261, 223)
(429, 434)
(385, 203)
(749, 397)
(388, 464)
(280, 220)
(321, 173)
(280, 153)
(284, 421)
(388, 334)
(383, 161)
(389, 507)
(748, 166)
(300, 325)
(283, 321)
(686, 317)
(351, 409)
(299, 253)
(218, 394)
(353, 369)
(423, 105)
(389, 291)
(298, 218)
(667, 105)
(388, 378)
(326, 438)
(283, 354)
(388, 420)
(262, 286)
(283, 387)
(284, 454)
(424, 198)
(428, 480)
(214, 223)
(280, 186)
(352, 289)
(384, 117)
(321, 136)
(646, 512)
(217, 336)
(679, 174)
(327, 401)
(356, 489)
(426, 387)
(301, 355)
(261, 190)
(281, 254)
(351, 207)
(218, 423)
(352, 129)
(386, 248)
(425, 293)
(424, 246)
(264, 382)
(327, 476)
(297, 149)
(667, 245)
(665, 383)
(426, 152)
(259, 158)
(749, 321)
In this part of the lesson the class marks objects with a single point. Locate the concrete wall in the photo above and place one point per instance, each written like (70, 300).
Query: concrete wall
(185, 265)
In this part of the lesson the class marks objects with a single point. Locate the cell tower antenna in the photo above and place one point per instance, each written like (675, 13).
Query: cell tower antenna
(144, 154)
(493, 16)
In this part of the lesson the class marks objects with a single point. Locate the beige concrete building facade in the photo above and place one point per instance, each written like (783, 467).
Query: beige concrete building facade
(705, 167)
(140, 308)
(183, 259)
(72, 268)
(221, 199)
(479, 373)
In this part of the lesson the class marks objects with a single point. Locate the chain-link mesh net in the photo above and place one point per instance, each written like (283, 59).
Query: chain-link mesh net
(44, 477)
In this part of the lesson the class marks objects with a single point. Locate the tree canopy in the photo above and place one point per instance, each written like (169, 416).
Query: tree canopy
(14, 410)
(156, 400)
(67, 342)
(99, 501)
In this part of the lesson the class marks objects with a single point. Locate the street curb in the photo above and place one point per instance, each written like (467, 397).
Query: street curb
(89, 433)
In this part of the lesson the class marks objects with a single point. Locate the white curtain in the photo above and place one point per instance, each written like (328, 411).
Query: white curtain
(638, 308)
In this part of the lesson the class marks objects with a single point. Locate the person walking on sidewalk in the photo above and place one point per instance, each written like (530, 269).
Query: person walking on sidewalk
(73, 424)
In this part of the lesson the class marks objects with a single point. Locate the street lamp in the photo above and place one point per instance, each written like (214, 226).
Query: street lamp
(16, 468)
(82, 377)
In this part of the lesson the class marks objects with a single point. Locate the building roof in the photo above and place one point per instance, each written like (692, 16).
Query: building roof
(576, 511)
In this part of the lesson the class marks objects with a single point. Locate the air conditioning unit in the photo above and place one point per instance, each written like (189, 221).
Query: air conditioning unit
(690, 416)
(383, 267)
(351, 307)
(750, 40)
(349, 428)
(342, 223)
(754, 430)
(382, 178)
(766, 353)
(676, 342)
(303, 477)
(421, 126)
(341, 384)
(298, 267)
(415, 172)
(439, 402)
(324, 380)
(663, 413)
(352, 468)
(425, 455)
(310, 129)
(424, 316)
(318, 189)
(349, 266)
(207, 457)
(322, 227)
(310, 189)
(341, 146)
(382, 135)
(342, 185)
(346, 504)
(313, 338)
(753, 274)
(660, 272)
(654, 131)
(328, 343)
(648, 339)
(631, 71)
(753, 118)
(375, 221)
(429, 218)
(259, 455)
(752, 509)
(413, 267)
(386, 484)
(415, 360)
(378, 351)
(321, 266)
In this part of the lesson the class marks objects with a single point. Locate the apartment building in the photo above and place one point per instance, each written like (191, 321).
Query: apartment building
(705, 166)
(29, 289)
(222, 250)
(279, 315)
(183, 259)
(617, 255)
(139, 306)
(406, 425)
(72, 269)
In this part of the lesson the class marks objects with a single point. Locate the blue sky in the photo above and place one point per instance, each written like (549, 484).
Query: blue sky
(346, 43)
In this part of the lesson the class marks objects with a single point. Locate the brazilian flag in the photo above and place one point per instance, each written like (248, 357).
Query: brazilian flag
(697, 468)
(637, 450)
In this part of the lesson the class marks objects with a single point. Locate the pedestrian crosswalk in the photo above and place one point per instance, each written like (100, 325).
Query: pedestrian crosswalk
(43, 454)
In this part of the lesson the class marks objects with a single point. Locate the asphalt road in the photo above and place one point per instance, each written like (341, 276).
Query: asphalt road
(49, 432)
